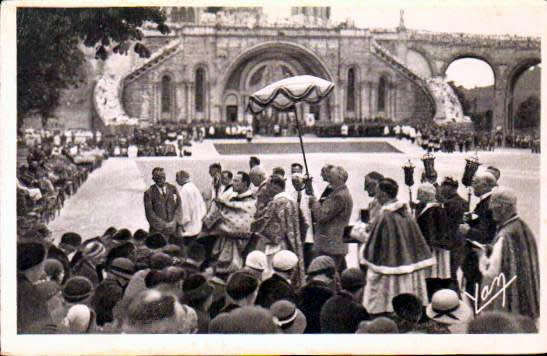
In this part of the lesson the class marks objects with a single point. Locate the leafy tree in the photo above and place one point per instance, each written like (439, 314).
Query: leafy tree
(49, 58)
(528, 113)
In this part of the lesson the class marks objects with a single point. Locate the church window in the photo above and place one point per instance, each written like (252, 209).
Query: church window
(350, 105)
(166, 94)
(200, 90)
(382, 87)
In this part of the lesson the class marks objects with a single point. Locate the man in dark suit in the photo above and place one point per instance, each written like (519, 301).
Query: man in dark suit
(480, 226)
(331, 217)
(161, 201)
(455, 207)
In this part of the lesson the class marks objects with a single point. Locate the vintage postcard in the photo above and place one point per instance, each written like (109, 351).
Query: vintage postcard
(250, 177)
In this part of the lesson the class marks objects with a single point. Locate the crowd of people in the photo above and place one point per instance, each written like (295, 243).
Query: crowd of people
(435, 139)
(54, 170)
(263, 252)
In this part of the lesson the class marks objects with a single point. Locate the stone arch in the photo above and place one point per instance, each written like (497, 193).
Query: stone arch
(157, 75)
(483, 57)
(302, 59)
(256, 50)
(251, 69)
(511, 78)
(426, 58)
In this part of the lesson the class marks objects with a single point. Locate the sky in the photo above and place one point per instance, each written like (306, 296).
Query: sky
(503, 17)
(519, 17)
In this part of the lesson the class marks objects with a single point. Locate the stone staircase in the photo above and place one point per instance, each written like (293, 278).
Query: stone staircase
(388, 58)
(107, 92)
(155, 60)
(445, 103)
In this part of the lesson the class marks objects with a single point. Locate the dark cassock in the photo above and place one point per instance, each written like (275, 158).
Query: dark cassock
(455, 207)
(514, 255)
(398, 259)
(482, 230)
(433, 224)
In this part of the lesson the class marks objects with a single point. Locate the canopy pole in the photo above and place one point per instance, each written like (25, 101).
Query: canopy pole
(300, 137)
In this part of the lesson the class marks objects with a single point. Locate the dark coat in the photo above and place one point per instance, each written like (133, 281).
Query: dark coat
(341, 314)
(33, 315)
(433, 224)
(483, 229)
(161, 210)
(273, 289)
(330, 218)
(311, 299)
(86, 269)
(455, 206)
(107, 294)
(203, 321)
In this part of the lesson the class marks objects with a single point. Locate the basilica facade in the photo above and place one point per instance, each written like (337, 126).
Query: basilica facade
(213, 60)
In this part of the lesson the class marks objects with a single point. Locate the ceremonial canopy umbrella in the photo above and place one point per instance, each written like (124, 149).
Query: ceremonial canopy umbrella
(283, 95)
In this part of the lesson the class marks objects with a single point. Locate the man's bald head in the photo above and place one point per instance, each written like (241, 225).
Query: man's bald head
(426, 192)
(182, 177)
(483, 182)
(503, 204)
(258, 175)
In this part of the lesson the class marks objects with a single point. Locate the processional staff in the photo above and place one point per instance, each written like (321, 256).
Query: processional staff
(409, 180)
(471, 165)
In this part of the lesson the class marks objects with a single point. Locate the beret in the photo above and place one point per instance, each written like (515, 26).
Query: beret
(77, 289)
(29, 254)
(256, 260)
(284, 260)
(352, 278)
(241, 285)
(122, 267)
(71, 239)
(320, 264)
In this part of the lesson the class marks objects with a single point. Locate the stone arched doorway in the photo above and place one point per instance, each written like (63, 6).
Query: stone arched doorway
(511, 106)
(267, 63)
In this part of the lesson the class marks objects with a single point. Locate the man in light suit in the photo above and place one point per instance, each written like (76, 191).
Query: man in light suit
(302, 199)
(161, 202)
(331, 217)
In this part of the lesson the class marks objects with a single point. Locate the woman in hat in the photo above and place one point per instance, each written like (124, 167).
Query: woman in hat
(80, 319)
(288, 317)
(447, 313)
(93, 256)
(76, 290)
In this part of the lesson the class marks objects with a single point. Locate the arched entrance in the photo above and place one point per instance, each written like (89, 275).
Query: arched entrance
(267, 63)
(520, 91)
(473, 79)
(231, 108)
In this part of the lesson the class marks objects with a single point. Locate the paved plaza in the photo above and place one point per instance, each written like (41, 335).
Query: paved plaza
(113, 194)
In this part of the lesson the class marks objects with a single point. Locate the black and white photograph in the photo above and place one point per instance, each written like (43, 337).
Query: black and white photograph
(323, 169)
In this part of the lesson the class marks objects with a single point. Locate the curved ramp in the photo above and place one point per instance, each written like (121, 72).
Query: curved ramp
(108, 89)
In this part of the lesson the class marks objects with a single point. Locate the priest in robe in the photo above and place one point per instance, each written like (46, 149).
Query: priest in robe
(433, 222)
(397, 256)
(513, 256)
